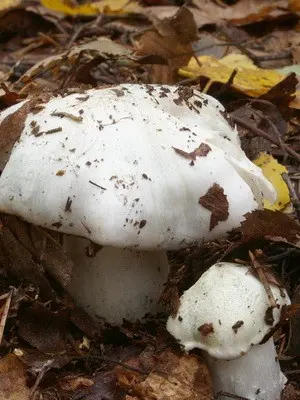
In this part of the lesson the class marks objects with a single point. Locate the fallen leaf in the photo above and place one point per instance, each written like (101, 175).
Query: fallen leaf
(269, 225)
(261, 114)
(5, 4)
(102, 46)
(283, 95)
(242, 12)
(249, 79)
(43, 246)
(272, 170)
(173, 377)
(215, 200)
(12, 126)
(294, 5)
(19, 265)
(117, 6)
(171, 40)
(75, 383)
(13, 379)
(44, 329)
(90, 9)
(67, 8)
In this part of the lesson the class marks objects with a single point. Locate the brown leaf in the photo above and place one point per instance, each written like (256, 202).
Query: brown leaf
(43, 246)
(282, 94)
(215, 201)
(171, 40)
(12, 126)
(13, 379)
(19, 265)
(44, 329)
(174, 377)
(263, 115)
(242, 12)
(269, 225)
(75, 383)
(181, 26)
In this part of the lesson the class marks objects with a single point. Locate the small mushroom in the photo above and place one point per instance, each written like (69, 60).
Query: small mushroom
(233, 303)
(138, 173)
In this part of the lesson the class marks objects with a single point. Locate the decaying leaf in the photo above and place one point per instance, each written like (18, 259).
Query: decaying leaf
(215, 200)
(43, 329)
(102, 46)
(171, 40)
(173, 377)
(242, 12)
(284, 95)
(117, 7)
(13, 379)
(272, 170)
(18, 263)
(43, 246)
(269, 225)
(12, 126)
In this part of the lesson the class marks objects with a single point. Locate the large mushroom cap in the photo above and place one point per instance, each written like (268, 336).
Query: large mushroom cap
(226, 312)
(133, 165)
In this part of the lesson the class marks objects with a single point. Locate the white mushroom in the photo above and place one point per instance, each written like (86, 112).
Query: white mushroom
(227, 314)
(139, 169)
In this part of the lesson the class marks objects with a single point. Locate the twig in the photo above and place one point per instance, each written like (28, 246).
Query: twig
(81, 29)
(40, 376)
(257, 59)
(293, 195)
(99, 357)
(268, 120)
(227, 85)
(229, 395)
(265, 135)
(5, 311)
(262, 277)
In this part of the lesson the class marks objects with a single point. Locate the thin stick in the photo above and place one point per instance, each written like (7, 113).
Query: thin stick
(293, 195)
(265, 135)
(4, 315)
(261, 275)
(229, 395)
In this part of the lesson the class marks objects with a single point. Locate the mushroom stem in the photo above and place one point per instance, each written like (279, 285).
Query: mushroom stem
(254, 376)
(116, 283)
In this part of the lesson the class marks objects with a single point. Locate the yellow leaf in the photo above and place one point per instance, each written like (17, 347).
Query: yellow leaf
(249, 79)
(65, 7)
(103, 7)
(272, 170)
(4, 4)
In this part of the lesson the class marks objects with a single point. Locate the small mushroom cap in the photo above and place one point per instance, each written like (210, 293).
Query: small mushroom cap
(226, 312)
(116, 165)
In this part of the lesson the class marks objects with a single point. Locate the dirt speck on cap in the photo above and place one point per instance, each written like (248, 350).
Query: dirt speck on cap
(206, 329)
